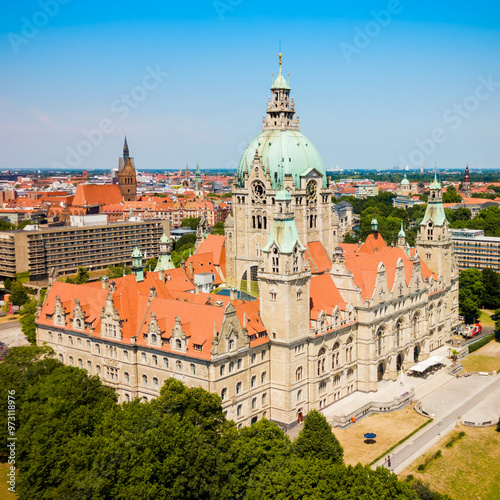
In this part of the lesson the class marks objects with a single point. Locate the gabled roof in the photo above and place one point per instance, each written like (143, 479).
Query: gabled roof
(215, 244)
(373, 243)
(202, 263)
(319, 259)
(95, 194)
(324, 295)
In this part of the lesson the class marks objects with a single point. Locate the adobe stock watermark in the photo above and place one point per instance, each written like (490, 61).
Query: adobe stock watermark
(223, 6)
(454, 117)
(241, 148)
(372, 29)
(32, 26)
(121, 107)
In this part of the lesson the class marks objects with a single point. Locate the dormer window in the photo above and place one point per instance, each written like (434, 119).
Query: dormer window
(231, 344)
(178, 344)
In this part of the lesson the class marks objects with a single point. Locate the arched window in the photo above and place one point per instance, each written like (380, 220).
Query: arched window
(264, 399)
(89, 345)
(80, 363)
(71, 361)
(275, 261)
(70, 340)
(231, 344)
(79, 342)
(98, 349)
(399, 332)
(127, 398)
(222, 369)
(61, 358)
(165, 363)
(155, 360)
(89, 366)
(239, 387)
(254, 403)
(126, 378)
(239, 364)
(254, 356)
(144, 380)
(348, 350)
(253, 382)
(178, 365)
(98, 369)
(153, 338)
(144, 358)
(336, 355)
(231, 367)
(223, 394)
(299, 395)
(263, 355)
(192, 367)
(155, 383)
(379, 341)
(238, 410)
(178, 344)
(298, 373)
(263, 377)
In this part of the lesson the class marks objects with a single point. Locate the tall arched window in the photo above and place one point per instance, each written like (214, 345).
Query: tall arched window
(298, 373)
(144, 380)
(321, 360)
(275, 261)
(223, 394)
(336, 355)
(380, 334)
(348, 351)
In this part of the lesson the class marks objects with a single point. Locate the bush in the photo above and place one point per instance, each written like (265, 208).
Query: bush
(480, 343)
(421, 467)
(409, 478)
(438, 454)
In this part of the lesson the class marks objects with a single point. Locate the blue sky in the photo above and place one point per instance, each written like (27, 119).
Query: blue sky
(376, 84)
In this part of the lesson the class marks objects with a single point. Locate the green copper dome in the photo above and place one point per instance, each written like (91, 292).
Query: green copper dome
(285, 152)
(405, 181)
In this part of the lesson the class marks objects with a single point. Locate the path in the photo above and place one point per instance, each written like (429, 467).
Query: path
(444, 422)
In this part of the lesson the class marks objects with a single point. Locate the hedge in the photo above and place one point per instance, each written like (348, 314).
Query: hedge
(477, 345)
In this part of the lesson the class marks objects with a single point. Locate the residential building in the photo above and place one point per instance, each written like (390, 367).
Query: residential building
(474, 249)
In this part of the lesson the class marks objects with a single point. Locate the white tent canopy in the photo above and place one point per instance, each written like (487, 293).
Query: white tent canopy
(423, 365)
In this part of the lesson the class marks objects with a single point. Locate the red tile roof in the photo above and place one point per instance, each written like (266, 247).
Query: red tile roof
(324, 295)
(316, 253)
(95, 194)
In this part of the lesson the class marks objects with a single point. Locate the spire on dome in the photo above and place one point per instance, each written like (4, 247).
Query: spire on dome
(280, 83)
(401, 233)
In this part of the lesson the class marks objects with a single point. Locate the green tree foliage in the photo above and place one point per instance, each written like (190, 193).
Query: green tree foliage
(118, 271)
(8, 284)
(151, 264)
(471, 293)
(19, 295)
(6, 226)
(218, 228)
(349, 238)
(316, 439)
(191, 222)
(488, 220)
(82, 276)
(185, 239)
(78, 443)
(27, 320)
(451, 195)
(491, 283)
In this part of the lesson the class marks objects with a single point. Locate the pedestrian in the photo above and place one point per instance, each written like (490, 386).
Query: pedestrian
(389, 461)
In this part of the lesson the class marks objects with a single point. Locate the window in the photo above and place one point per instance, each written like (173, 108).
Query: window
(98, 369)
(263, 355)
(322, 386)
(238, 410)
(126, 378)
(155, 360)
(98, 349)
(231, 344)
(89, 366)
(79, 342)
(144, 358)
(264, 399)
(223, 394)
(178, 344)
(127, 398)
(145, 380)
(299, 294)
(299, 395)
(263, 377)
(153, 338)
(231, 367)
(336, 380)
(298, 373)
(254, 356)
(192, 367)
(59, 338)
(222, 369)
(273, 295)
(239, 386)
(155, 383)
(70, 340)
(50, 336)
(275, 261)
(71, 361)
(336, 355)
(254, 403)
(178, 365)
(80, 363)
(239, 364)
(61, 358)
(253, 382)
(89, 345)
(379, 342)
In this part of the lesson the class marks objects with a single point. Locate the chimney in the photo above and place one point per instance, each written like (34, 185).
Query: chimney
(197, 290)
(112, 286)
(152, 293)
(161, 275)
(105, 283)
(233, 293)
(191, 268)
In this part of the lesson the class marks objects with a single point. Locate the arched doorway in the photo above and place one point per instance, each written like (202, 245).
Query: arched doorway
(380, 371)
(416, 353)
(300, 416)
(399, 361)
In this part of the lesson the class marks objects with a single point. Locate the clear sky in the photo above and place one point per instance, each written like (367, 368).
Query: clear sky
(376, 84)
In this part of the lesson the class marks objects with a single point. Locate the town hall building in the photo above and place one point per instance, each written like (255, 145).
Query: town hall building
(328, 318)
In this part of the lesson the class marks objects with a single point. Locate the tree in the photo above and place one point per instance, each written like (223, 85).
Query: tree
(27, 320)
(151, 264)
(19, 295)
(82, 276)
(451, 195)
(218, 228)
(8, 284)
(491, 283)
(191, 222)
(471, 291)
(316, 439)
(183, 240)
(118, 271)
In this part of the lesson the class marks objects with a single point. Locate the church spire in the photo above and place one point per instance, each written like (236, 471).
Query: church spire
(125, 149)
(280, 108)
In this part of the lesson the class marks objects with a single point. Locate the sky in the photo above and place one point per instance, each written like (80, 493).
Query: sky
(376, 84)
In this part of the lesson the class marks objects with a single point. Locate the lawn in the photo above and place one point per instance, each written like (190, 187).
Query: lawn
(5, 494)
(467, 471)
(389, 428)
(485, 318)
(485, 359)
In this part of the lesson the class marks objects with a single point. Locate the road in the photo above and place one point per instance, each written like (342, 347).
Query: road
(408, 452)
(11, 334)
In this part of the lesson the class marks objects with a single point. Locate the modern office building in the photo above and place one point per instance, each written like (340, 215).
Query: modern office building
(474, 249)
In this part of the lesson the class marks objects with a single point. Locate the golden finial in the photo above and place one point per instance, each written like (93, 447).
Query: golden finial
(280, 57)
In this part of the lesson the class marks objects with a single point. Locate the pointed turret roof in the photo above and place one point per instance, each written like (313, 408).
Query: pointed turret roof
(435, 183)
(125, 149)
(401, 233)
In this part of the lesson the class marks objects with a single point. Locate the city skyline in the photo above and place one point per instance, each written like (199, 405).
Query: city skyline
(375, 85)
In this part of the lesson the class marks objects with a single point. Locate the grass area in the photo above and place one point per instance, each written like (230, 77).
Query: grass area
(389, 428)
(468, 470)
(485, 359)
(5, 494)
(485, 318)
